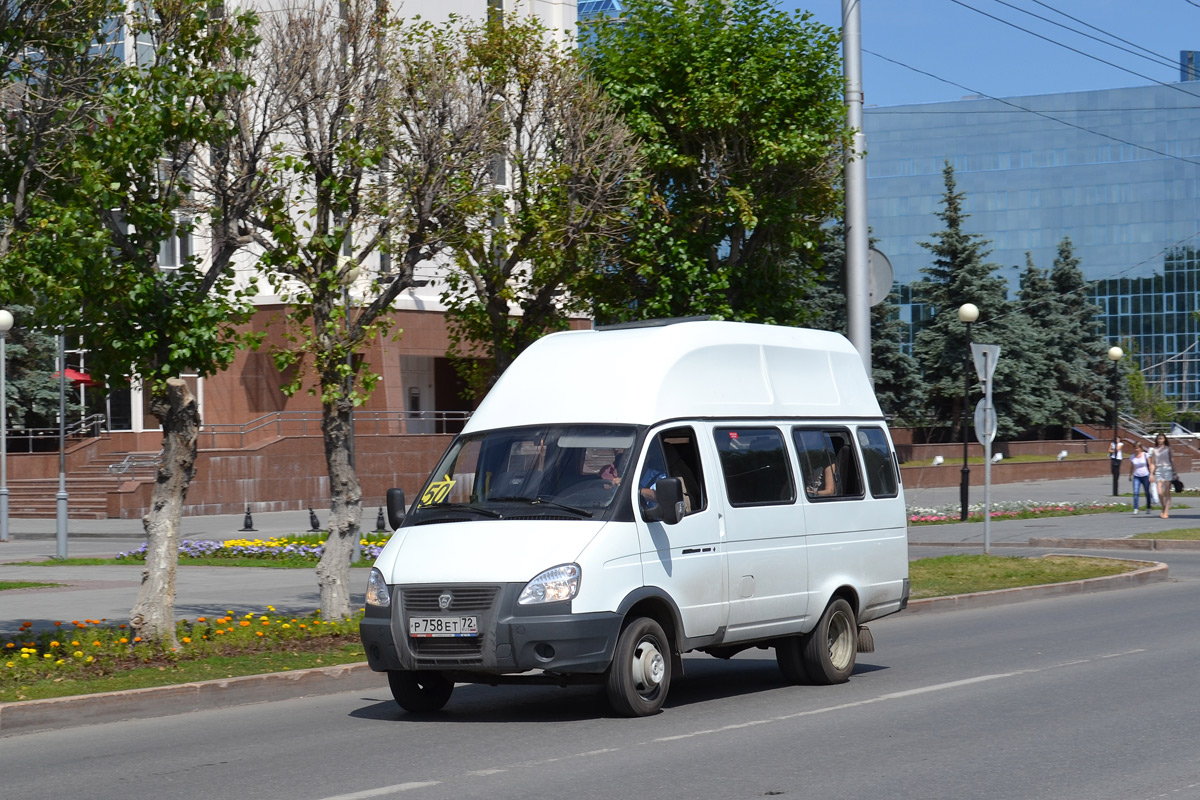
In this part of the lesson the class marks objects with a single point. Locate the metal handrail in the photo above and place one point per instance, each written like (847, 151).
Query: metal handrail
(132, 462)
(303, 424)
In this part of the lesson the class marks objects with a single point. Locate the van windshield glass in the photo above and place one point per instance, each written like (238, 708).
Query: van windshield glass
(553, 470)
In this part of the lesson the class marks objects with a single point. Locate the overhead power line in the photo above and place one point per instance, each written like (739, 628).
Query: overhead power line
(1157, 58)
(1083, 53)
(1042, 114)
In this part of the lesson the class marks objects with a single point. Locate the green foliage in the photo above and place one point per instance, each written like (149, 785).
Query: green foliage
(1147, 403)
(30, 383)
(740, 110)
(88, 253)
(528, 241)
(959, 274)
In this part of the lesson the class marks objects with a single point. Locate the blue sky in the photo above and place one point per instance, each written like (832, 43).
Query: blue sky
(951, 41)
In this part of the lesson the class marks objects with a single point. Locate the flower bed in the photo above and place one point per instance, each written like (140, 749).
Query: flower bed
(94, 648)
(1019, 509)
(284, 548)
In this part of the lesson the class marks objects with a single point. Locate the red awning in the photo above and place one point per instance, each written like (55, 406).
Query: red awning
(81, 378)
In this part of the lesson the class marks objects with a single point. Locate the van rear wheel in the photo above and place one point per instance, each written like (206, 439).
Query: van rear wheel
(830, 649)
(640, 673)
(420, 691)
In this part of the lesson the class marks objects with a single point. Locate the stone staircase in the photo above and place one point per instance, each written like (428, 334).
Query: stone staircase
(87, 490)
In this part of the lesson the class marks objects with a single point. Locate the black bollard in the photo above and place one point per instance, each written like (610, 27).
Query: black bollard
(248, 522)
(380, 522)
(314, 524)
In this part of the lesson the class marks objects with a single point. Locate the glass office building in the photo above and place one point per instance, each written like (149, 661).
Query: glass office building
(1118, 171)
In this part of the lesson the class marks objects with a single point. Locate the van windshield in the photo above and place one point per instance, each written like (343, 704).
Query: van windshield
(546, 471)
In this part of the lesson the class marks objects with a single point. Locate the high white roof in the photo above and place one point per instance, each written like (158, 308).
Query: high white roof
(681, 370)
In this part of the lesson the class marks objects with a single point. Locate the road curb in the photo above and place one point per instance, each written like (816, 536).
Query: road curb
(1153, 572)
(28, 716)
(1119, 544)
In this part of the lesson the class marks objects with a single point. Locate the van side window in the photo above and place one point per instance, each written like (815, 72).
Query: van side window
(674, 453)
(828, 463)
(756, 466)
(878, 462)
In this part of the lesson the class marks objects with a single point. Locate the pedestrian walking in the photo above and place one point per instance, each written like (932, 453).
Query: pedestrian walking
(1139, 473)
(1163, 470)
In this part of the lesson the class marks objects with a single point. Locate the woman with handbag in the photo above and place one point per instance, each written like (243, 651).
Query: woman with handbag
(1163, 471)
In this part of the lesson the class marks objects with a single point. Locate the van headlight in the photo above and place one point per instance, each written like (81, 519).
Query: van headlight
(552, 586)
(377, 590)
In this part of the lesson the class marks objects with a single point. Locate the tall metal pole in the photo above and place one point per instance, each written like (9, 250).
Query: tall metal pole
(60, 535)
(964, 488)
(6, 323)
(858, 306)
(1115, 354)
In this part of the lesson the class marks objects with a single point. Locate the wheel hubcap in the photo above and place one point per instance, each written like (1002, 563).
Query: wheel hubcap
(841, 645)
(649, 666)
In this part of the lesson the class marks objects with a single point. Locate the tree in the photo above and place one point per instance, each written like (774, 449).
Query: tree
(959, 274)
(30, 382)
(1037, 304)
(1078, 351)
(740, 109)
(384, 144)
(51, 76)
(566, 170)
(91, 259)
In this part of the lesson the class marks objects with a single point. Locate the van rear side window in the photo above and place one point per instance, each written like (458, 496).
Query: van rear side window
(878, 462)
(755, 464)
(828, 462)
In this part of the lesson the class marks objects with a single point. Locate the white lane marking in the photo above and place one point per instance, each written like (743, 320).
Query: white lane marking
(383, 790)
(937, 687)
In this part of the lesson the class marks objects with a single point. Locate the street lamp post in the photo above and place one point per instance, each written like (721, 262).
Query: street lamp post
(1115, 354)
(60, 499)
(967, 313)
(6, 323)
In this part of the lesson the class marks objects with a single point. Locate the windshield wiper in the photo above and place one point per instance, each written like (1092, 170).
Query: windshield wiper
(540, 501)
(487, 512)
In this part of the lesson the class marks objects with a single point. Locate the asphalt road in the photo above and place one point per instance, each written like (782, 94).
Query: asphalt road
(1086, 697)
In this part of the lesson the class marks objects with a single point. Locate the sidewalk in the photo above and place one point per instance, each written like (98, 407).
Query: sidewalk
(1075, 490)
(109, 592)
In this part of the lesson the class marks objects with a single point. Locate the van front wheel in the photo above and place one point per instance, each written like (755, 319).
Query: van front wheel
(829, 650)
(640, 673)
(421, 691)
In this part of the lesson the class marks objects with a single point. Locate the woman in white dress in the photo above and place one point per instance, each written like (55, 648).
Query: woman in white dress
(1163, 471)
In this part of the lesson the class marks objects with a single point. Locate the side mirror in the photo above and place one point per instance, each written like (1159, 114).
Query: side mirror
(669, 496)
(396, 507)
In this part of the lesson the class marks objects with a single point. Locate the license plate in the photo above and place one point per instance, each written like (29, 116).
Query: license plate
(427, 627)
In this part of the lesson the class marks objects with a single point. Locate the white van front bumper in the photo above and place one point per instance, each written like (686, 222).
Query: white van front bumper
(512, 638)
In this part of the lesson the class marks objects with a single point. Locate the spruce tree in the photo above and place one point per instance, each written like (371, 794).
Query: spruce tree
(1077, 351)
(960, 274)
(1038, 306)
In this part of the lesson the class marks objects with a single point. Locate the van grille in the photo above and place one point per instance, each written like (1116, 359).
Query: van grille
(467, 600)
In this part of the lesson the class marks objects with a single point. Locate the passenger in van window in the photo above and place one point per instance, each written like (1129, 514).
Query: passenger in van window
(823, 482)
(653, 470)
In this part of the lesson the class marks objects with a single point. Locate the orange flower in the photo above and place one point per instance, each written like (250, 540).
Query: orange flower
(186, 640)
(137, 639)
(201, 619)
(124, 640)
(245, 623)
(56, 624)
